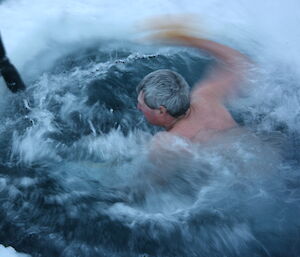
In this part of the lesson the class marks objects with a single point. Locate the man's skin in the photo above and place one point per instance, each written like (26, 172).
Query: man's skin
(207, 115)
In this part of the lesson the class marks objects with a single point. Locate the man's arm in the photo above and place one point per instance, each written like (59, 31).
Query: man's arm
(9, 73)
(229, 71)
(231, 64)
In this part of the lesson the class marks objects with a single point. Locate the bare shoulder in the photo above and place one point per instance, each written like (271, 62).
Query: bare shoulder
(204, 94)
(204, 103)
(211, 109)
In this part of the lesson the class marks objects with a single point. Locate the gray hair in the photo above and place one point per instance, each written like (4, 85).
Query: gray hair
(166, 88)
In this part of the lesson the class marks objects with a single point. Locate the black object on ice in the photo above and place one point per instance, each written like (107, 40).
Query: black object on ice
(9, 73)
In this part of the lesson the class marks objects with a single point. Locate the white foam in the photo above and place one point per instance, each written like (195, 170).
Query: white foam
(11, 252)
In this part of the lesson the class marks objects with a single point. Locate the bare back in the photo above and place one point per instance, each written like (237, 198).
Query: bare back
(205, 118)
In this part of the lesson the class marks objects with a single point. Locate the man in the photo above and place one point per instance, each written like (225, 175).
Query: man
(165, 100)
(9, 72)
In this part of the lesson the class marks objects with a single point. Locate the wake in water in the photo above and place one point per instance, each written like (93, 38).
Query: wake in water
(75, 179)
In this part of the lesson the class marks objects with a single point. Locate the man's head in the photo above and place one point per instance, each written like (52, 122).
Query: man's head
(163, 92)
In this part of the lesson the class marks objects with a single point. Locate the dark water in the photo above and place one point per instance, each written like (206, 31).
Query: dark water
(75, 180)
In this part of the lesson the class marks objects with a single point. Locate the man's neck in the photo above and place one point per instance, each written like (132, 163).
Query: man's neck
(173, 121)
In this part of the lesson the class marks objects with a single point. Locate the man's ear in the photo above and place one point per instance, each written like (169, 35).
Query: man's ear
(162, 110)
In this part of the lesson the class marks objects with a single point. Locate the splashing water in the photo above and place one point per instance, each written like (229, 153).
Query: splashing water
(75, 179)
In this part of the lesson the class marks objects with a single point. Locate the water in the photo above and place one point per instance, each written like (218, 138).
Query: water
(75, 178)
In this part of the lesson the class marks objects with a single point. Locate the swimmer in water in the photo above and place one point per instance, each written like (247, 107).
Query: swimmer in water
(9, 73)
(165, 99)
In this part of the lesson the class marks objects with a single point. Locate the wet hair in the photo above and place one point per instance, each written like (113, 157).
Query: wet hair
(166, 88)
